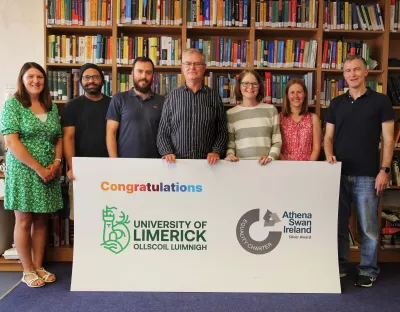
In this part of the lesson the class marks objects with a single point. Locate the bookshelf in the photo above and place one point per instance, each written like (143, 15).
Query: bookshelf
(383, 44)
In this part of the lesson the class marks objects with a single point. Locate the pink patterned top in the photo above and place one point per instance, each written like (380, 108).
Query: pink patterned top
(297, 137)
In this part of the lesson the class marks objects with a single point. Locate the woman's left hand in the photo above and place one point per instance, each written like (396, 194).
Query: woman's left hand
(263, 160)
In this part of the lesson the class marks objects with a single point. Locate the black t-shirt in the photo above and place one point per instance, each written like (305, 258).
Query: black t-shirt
(358, 127)
(89, 119)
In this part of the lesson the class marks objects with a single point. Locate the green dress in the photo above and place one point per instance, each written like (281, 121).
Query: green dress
(24, 189)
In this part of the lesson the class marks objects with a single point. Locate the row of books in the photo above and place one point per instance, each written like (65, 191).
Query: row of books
(71, 49)
(349, 15)
(332, 88)
(284, 54)
(222, 51)
(394, 15)
(79, 12)
(225, 13)
(150, 12)
(334, 52)
(395, 172)
(397, 138)
(163, 83)
(286, 13)
(394, 89)
(161, 50)
(61, 228)
(274, 85)
(390, 232)
(65, 85)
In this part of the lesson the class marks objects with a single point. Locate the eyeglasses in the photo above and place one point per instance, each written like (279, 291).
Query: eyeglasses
(247, 84)
(88, 77)
(196, 64)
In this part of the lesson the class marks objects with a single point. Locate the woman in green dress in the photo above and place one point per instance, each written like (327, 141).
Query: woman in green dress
(32, 132)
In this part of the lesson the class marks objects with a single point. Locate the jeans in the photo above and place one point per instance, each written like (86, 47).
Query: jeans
(361, 191)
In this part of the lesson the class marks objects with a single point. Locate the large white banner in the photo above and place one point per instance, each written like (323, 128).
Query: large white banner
(145, 225)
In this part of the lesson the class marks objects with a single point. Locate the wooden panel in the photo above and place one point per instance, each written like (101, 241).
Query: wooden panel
(63, 253)
(10, 265)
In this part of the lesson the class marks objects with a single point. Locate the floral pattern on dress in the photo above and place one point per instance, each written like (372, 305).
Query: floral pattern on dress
(297, 137)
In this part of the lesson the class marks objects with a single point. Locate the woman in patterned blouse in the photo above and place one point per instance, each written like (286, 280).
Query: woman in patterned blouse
(300, 129)
(31, 128)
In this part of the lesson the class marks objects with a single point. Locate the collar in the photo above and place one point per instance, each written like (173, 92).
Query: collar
(134, 94)
(368, 92)
(203, 87)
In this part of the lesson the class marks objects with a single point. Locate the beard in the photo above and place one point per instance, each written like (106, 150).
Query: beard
(145, 89)
(94, 88)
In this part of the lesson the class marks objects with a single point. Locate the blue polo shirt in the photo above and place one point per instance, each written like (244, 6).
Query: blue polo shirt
(138, 123)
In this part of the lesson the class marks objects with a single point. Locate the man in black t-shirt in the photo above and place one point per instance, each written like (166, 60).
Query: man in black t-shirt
(354, 124)
(84, 121)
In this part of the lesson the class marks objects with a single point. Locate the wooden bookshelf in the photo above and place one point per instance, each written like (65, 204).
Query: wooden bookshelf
(384, 44)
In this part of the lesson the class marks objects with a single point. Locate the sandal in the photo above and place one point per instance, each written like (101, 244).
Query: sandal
(30, 282)
(46, 276)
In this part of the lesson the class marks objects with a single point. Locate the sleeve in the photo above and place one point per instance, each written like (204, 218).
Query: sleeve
(68, 114)
(387, 112)
(114, 110)
(164, 130)
(231, 138)
(59, 133)
(276, 142)
(221, 139)
(10, 117)
(330, 116)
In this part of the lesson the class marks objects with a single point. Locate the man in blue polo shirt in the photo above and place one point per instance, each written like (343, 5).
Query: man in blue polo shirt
(354, 124)
(133, 116)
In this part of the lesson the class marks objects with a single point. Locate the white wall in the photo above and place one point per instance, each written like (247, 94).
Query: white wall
(21, 37)
(22, 40)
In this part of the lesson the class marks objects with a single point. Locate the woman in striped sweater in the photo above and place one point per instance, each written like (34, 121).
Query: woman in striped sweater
(253, 126)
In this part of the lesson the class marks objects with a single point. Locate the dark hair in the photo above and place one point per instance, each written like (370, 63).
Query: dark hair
(260, 95)
(142, 59)
(286, 111)
(23, 96)
(355, 57)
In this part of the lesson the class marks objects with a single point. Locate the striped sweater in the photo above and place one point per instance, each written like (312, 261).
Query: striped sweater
(254, 131)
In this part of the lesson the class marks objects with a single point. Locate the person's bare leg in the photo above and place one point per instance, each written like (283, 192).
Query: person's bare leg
(22, 240)
(39, 234)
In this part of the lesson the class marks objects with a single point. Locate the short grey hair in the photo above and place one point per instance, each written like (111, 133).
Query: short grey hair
(355, 57)
(192, 51)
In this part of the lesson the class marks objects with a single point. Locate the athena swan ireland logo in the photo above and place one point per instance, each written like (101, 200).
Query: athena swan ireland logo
(243, 232)
(116, 234)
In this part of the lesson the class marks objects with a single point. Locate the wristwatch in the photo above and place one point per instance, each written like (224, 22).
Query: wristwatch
(386, 169)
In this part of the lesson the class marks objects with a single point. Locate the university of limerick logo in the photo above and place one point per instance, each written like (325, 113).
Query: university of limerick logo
(243, 232)
(116, 235)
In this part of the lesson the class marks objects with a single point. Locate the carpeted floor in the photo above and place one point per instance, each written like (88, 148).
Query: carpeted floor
(8, 280)
(383, 296)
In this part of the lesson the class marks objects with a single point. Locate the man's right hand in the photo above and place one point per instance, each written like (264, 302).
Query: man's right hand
(70, 175)
(331, 159)
(170, 158)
